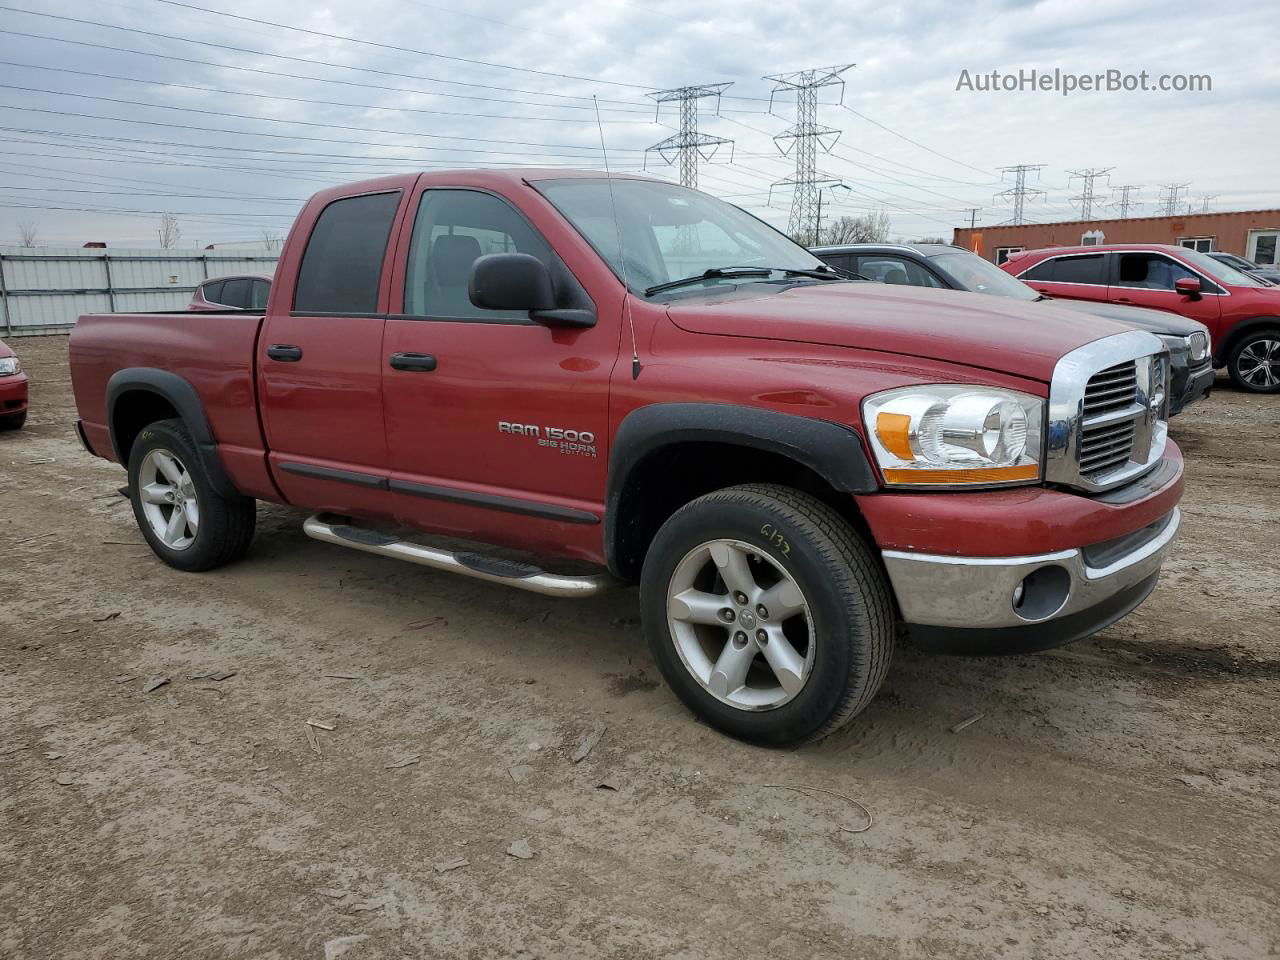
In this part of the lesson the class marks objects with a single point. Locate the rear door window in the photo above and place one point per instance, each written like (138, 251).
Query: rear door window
(212, 291)
(342, 267)
(235, 293)
(1090, 268)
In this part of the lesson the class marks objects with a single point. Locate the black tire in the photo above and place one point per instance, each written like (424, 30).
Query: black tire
(225, 527)
(13, 421)
(1239, 365)
(847, 593)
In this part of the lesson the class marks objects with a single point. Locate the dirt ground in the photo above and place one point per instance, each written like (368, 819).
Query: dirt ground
(1119, 798)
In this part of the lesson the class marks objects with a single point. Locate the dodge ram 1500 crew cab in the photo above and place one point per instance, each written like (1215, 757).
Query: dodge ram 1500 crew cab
(632, 374)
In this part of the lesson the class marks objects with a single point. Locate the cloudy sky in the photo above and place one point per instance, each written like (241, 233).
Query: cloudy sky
(114, 111)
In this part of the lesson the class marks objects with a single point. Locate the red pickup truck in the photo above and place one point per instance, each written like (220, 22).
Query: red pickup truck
(637, 376)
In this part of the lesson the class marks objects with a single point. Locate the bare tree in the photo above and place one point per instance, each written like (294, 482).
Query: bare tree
(271, 239)
(28, 233)
(932, 240)
(169, 232)
(868, 228)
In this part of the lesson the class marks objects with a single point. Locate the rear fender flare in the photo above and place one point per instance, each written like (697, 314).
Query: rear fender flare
(182, 396)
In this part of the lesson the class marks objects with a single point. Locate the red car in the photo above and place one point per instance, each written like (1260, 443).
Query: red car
(1241, 311)
(13, 390)
(789, 462)
(219, 294)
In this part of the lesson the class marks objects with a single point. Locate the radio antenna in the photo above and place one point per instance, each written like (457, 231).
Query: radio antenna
(622, 257)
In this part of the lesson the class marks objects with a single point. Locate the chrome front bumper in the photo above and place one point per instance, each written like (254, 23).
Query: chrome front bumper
(982, 593)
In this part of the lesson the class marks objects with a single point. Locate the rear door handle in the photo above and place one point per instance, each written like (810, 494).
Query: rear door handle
(421, 362)
(284, 352)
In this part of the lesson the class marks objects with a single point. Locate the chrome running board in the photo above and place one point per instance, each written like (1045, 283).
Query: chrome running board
(523, 576)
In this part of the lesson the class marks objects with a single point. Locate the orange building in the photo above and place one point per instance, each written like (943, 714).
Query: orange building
(1254, 234)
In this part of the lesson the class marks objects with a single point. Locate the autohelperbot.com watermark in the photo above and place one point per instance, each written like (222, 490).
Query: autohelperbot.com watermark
(1066, 82)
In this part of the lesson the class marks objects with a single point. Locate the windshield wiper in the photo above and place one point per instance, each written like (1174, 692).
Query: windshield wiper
(711, 274)
(717, 272)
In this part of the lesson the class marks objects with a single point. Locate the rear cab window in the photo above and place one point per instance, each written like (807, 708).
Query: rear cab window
(341, 269)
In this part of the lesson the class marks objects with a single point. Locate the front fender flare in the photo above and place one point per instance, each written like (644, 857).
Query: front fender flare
(832, 450)
(1222, 351)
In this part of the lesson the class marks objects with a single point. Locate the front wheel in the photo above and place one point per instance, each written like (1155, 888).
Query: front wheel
(13, 421)
(187, 523)
(767, 614)
(1254, 363)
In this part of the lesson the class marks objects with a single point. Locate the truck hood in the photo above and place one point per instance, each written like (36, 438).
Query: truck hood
(994, 333)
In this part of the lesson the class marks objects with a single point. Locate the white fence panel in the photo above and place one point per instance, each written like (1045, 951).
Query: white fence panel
(45, 289)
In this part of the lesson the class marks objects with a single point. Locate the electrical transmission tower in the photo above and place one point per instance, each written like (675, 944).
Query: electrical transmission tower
(689, 145)
(1087, 195)
(1019, 192)
(806, 136)
(1169, 196)
(1124, 203)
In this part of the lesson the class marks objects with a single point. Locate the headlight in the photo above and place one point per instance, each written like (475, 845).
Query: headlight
(944, 436)
(1198, 347)
(9, 365)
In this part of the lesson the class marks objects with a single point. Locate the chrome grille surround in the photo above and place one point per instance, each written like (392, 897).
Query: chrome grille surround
(1108, 409)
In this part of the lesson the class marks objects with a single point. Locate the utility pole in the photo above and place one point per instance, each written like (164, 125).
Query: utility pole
(1169, 196)
(1124, 203)
(688, 145)
(817, 227)
(1087, 195)
(973, 215)
(1019, 192)
(806, 136)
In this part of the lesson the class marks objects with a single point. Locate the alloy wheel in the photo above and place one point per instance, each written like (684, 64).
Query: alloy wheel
(1259, 363)
(169, 500)
(741, 625)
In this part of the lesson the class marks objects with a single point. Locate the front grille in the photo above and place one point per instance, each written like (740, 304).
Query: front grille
(1106, 435)
(1106, 424)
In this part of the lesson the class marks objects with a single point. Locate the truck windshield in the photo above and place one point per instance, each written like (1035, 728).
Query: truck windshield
(976, 275)
(670, 232)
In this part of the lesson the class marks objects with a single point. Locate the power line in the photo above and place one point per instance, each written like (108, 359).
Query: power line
(1087, 196)
(1019, 192)
(915, 143)
(806, 137)
(688, 145)
(278, 97)
(276, 56)
(252, 117)
(286, 136)
(399, 49)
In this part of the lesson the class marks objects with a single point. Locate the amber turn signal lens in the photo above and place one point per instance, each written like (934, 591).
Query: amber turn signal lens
(894, 431)
(1029, 471)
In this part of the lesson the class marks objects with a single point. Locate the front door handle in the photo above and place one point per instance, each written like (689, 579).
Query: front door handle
(421, 362)
(284, 352)
(1123, 300)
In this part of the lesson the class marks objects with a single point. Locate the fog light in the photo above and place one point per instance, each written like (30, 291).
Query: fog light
(1042, 593)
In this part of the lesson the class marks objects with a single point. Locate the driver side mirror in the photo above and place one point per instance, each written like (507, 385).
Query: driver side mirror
(1188, 287)
(520, 281)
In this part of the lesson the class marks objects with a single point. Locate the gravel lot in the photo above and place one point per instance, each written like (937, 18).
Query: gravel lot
(1118, 799)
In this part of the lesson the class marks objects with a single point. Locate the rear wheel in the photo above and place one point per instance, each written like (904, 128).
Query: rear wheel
(186, 522)
(13, 421)
(767, 614)
(1254, 363)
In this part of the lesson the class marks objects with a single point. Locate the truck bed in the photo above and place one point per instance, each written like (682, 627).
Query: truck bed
(213, 351)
